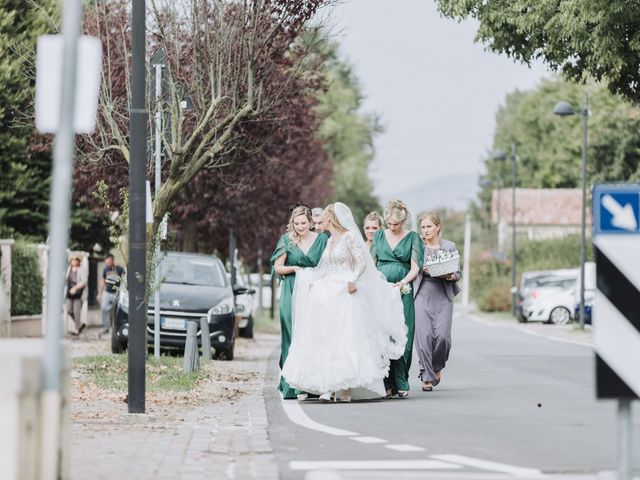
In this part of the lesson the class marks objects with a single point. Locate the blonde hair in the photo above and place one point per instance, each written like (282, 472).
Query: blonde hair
(330, 217)
(397, 211)
(373, 217)
(297, 212)
(434, 217)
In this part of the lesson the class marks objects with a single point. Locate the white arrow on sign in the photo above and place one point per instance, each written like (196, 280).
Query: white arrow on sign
(623, 217)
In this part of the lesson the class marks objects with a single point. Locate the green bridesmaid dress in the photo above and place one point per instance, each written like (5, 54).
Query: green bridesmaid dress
(395, 264)
(295, 257)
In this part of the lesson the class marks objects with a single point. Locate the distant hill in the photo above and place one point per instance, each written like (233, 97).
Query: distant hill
(449, 191)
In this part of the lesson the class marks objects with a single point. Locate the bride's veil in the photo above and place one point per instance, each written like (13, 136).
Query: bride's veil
(384, 299)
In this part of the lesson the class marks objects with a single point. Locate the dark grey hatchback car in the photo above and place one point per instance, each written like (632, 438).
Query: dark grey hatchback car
(193, 286)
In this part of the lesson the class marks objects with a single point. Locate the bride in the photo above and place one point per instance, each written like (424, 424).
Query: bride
(348, 321)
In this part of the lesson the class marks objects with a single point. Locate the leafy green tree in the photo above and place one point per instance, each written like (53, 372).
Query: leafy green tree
(580, 38)
(549, 147)
(24, 171)
(347, 133)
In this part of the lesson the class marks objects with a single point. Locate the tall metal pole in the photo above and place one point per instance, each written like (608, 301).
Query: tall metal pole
(514, 161)
(60, 202)
(136, 272)
(466, 272)
(583, 227)
(156, 253)
(498, 218)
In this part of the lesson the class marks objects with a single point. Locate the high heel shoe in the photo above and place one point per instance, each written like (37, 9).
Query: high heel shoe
(345, 396)
(326, 397)
(302, 397)
(403, 393)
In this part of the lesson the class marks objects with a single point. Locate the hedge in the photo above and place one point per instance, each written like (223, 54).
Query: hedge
(26, 288)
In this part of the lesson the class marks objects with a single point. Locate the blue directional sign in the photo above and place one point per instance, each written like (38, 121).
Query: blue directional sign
(616, 209)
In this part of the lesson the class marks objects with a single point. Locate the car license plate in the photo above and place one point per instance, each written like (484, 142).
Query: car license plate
(173, 324)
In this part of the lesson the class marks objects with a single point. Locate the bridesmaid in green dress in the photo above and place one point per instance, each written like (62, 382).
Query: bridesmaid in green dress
(299, 248)
(399, 255)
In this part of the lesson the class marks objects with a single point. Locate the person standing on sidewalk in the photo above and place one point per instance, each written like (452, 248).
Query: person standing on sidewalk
(434, 306)
(76, 283)
(109, 284)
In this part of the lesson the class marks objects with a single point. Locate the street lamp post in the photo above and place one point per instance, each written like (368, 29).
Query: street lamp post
(564, 109)
(501, 155)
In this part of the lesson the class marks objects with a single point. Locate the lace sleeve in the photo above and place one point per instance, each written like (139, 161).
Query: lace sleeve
(357, 253)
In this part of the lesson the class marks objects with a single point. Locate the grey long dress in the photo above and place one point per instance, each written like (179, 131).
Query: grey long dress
(434, 317)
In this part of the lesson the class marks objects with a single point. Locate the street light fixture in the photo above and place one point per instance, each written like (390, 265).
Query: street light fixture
(564, 109)
(502, 156)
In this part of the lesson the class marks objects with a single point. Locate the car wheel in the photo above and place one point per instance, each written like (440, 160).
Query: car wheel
(560, 316)
(117, 346)
(247, 332)
(226, 353)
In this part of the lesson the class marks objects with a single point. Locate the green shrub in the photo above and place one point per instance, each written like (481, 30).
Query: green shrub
(26, 288)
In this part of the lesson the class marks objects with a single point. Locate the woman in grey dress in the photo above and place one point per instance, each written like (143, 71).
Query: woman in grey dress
(433, 298)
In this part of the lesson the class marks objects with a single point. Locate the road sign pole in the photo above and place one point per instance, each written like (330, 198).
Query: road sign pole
(624, 439)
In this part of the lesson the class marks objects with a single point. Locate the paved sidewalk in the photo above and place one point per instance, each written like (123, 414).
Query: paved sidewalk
(224, 439)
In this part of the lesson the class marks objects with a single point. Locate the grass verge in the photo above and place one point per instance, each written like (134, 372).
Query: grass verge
(165, 374)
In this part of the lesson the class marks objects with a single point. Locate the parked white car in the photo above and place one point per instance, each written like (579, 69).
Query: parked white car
(245, 305)
(554, 307)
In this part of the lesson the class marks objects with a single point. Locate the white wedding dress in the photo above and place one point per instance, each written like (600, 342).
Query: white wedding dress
(342, 340)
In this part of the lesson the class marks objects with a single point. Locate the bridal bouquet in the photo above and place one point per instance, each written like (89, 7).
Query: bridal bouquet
(406, 289)
(443, 262)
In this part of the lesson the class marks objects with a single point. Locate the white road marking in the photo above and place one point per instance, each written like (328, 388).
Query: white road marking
(490, 466)
(369, 439)
(401, 447)
(296, 415)
(489, 323)
(373, 465)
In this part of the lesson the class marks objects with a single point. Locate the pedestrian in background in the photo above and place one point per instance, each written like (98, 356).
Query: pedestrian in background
(398, 254)
(317, 215)
(434, 306)
(75, 293)
(299, 248)
(372, 223)
(109, 285)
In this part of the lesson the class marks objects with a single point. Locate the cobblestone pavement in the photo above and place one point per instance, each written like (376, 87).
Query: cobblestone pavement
(224, 439)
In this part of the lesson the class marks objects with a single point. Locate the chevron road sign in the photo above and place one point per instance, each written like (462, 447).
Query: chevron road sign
(616, 309)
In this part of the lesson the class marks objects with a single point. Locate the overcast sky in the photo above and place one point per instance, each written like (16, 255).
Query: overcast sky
(434, 88)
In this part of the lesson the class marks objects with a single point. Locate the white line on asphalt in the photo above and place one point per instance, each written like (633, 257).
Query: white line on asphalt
(401, 447)
(369, 439)
(373, 465)
(296, 415)
(491, 466)
(489, 323)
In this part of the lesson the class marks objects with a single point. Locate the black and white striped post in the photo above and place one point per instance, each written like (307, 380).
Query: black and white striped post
(616, 310)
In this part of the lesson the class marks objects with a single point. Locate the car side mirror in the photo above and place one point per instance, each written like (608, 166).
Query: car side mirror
(240, 290)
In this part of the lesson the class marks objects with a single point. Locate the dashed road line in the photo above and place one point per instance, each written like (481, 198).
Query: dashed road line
(402, 447)
(371, 440)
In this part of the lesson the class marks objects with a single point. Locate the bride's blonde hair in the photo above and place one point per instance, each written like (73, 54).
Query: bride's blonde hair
(330, 217)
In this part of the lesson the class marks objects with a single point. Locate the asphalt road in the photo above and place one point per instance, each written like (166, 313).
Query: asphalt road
(510, 405)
